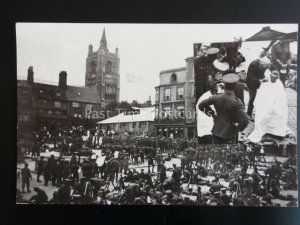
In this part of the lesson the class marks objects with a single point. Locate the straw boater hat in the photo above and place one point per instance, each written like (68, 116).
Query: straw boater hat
(212, 51)
(231, 78)
(221, 66)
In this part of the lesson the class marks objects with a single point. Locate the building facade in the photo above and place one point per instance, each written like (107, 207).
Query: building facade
(40, 104)
(102, 71)
(175, 102)
(140, 120)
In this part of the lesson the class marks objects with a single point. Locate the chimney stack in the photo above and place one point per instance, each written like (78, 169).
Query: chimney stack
(30, 75)
(90, 48)
(62, 80)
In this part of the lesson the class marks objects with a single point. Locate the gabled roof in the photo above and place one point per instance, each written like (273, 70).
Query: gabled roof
(173, 70)
(72, 93)
(267, 34)
(82, 94)
(23, 83)
(146, 114)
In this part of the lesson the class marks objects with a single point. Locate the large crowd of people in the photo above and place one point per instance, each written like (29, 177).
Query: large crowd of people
(134, 171)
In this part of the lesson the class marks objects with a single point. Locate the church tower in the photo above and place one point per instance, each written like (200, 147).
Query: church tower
(102, 71)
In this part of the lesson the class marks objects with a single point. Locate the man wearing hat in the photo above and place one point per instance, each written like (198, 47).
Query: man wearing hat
(168, 199)
(229, 116)
(40, 197)
(281, 58)
(255, 75)
(40, 168)
(64, 192)
(203, 68)
(26, 175)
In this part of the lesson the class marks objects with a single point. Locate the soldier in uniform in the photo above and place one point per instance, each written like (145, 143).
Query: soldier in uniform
(40, 169)
(150, 162)
(176, 175)
(26, 175)
(60, 170)
(40, 197)
(162, 172)
(64, 193)
(142, 156)
(53, 169)
(229, 117)
(47, 172)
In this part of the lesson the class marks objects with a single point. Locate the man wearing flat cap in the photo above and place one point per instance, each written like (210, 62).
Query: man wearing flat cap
(229, 116)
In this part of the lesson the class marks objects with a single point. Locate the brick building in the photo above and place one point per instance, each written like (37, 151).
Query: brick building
(175, 102)
(40, 104)
(102, 71)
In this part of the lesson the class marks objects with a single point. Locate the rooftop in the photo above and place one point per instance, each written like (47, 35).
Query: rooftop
(73, 93)
(146, 114)
(173, 70)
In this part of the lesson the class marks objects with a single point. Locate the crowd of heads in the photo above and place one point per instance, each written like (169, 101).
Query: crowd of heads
(138, 174)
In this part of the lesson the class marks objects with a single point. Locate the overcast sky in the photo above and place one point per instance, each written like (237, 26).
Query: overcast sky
(144, 49)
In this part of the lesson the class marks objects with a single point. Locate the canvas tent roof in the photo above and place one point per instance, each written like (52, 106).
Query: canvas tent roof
(146, 114)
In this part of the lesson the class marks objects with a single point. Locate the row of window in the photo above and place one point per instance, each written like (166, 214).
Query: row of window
(167, 94)
(24, 102)
(141, 124)
(51, 92)
(110, 89)
(57, 104)
(23, 118)
(167, 111)
(108, 67)
(52, 112)
(77, 115)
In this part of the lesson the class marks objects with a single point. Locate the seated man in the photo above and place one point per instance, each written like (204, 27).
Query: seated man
(40, 197)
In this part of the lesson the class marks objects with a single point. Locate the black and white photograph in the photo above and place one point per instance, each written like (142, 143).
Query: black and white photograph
(157, 114)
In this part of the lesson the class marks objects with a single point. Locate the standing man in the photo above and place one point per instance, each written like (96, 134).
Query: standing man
(255, 75)
(203, 68)
(26, 175)
(281, 58)
(229, 116)
(40, 168)
(162, 172)
(47, 172)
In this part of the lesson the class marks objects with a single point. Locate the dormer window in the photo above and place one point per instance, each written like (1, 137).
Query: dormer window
(173, 78)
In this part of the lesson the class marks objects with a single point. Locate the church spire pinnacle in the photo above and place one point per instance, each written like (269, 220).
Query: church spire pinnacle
(103, 39)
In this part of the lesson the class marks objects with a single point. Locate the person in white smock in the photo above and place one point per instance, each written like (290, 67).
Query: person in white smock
(271, 108)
